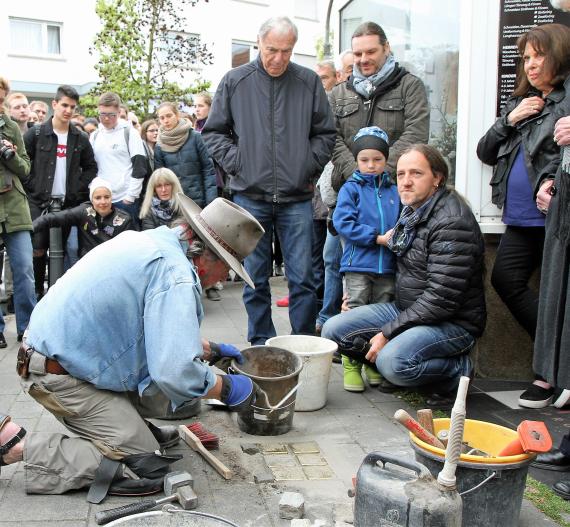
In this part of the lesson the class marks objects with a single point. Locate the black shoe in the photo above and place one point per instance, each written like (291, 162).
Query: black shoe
(238, 278)
(136, 487)
(536, 397)
(10, 305)
(337, 359)
(167, 436)
(213, 294)
(20, 337)
(385, 386)
(440, 400)
(562, 488)
(3, 343)
(553, 460)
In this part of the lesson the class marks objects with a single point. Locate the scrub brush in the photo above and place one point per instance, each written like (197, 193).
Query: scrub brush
(210, 440)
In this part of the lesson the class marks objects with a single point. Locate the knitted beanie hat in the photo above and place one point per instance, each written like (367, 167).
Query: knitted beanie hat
(373, 138)
(96, 183)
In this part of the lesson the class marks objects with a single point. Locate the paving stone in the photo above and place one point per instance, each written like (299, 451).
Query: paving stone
(301, 523)
(250, 448)
(291, 505)
(264, 477)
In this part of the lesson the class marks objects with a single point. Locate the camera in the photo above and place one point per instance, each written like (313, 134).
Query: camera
(6, 153)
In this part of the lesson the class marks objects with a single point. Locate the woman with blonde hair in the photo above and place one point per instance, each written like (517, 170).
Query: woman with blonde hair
(183, 150)
(161, 205)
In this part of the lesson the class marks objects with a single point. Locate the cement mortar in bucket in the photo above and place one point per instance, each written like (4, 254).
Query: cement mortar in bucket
(491, 487)
(317, 354)
(276, 372)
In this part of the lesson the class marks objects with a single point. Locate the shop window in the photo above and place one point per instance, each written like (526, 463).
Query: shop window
(431, 55)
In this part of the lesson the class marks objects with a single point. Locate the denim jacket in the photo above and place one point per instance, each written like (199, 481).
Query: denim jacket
(126, 317)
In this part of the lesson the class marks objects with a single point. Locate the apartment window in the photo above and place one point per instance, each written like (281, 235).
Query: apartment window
(35, 37)
(242, 53)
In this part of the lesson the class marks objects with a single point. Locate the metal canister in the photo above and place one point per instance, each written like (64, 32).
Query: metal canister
(391, 497)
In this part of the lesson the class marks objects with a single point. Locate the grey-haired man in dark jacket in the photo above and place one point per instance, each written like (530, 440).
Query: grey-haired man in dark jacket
(271, 129)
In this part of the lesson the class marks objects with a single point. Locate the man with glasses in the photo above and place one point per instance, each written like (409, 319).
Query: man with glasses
(63, 165)
(120, 154)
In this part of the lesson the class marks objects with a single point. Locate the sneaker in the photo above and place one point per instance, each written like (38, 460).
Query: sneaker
(212, 294)
(352, 380)
(536, 397)
(218, 286)
(385, 386)
(371, 375)
(3, 343)
(563, 399)
(283, 302)
(337, 357)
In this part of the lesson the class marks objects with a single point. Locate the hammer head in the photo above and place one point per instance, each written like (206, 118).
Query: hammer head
(187, 497)
(177, 479)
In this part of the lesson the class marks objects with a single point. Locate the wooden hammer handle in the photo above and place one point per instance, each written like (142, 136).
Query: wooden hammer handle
(195, 444)
(417, 429)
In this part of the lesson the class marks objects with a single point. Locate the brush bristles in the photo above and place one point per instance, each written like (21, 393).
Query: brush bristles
(210, 440)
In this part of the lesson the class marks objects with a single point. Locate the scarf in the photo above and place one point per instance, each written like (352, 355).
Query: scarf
(172, 140)
(405, 229)
(366, 86)
(162, 208)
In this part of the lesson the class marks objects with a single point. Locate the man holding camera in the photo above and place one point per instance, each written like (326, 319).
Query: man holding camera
(15, 220)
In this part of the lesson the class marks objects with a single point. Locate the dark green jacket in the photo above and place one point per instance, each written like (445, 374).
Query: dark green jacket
(14, 208)
(402, 111)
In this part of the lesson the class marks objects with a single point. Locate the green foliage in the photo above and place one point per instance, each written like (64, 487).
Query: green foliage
(143, 54)
(547, 502)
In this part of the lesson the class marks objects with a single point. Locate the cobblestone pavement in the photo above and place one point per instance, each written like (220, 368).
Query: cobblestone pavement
(350, 426)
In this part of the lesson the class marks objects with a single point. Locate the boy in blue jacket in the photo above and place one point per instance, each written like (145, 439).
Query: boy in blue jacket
(367, 209)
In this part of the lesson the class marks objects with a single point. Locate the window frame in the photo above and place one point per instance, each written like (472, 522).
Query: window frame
(253, 51)
(44, 24)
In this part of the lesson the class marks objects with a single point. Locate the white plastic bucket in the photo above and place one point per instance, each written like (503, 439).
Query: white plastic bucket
(317, 354)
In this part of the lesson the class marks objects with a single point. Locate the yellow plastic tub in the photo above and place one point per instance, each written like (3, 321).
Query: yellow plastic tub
(488, 437)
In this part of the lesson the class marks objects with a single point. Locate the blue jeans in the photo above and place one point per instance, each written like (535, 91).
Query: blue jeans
(332, 298)
(435, 354)
(19, 249)
(294, 227)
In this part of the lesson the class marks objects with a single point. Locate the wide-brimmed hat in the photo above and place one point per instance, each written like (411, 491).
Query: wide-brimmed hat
(228, 229)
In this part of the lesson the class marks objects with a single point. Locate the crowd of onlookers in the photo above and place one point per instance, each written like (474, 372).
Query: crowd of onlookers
(380, 254)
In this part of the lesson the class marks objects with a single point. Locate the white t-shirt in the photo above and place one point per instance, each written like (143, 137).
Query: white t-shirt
(58, 188)
(113, 158)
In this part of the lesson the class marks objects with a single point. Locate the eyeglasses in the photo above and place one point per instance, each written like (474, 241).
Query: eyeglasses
(107, 115)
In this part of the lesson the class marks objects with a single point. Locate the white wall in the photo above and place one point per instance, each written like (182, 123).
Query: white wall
(75, 66)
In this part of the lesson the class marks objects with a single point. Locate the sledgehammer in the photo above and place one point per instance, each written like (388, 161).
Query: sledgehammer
(178, 487)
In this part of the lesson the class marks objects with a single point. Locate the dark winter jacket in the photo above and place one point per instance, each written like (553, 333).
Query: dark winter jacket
(14, 208)
(193, 167)
(499, 146)
(41, 145)
(440, 277)
(92, 228)
(399, 106)
(152, 221)
(271, 135)
(364, 210)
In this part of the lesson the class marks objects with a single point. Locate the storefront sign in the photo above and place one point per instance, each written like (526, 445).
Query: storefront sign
(517, 17)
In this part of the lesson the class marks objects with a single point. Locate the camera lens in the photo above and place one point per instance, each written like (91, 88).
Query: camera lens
(6, 153)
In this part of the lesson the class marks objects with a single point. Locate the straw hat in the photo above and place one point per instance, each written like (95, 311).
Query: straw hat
(228, 229)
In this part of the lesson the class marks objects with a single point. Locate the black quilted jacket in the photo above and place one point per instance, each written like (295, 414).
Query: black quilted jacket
(440, 277)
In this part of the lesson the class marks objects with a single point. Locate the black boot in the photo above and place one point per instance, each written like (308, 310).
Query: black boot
(40, 274)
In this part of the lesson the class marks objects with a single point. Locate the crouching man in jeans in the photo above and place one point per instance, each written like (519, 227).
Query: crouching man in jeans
(122, 324)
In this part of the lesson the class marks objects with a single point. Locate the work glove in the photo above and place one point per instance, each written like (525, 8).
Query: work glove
(239, 392)
(221, 351)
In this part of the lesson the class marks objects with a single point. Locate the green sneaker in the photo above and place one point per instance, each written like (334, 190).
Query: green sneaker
(372, 375)
(353, 381)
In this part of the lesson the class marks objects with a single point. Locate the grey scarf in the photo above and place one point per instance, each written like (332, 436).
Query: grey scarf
(365, 86)
(172, 140)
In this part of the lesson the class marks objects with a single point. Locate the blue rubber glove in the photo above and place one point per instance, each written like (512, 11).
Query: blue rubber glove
(238, 392)
(219, 351)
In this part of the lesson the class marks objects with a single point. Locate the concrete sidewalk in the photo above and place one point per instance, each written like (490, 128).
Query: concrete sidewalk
(350, 426)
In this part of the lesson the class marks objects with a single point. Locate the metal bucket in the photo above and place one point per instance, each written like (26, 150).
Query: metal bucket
(171, 516)
(276, 371)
